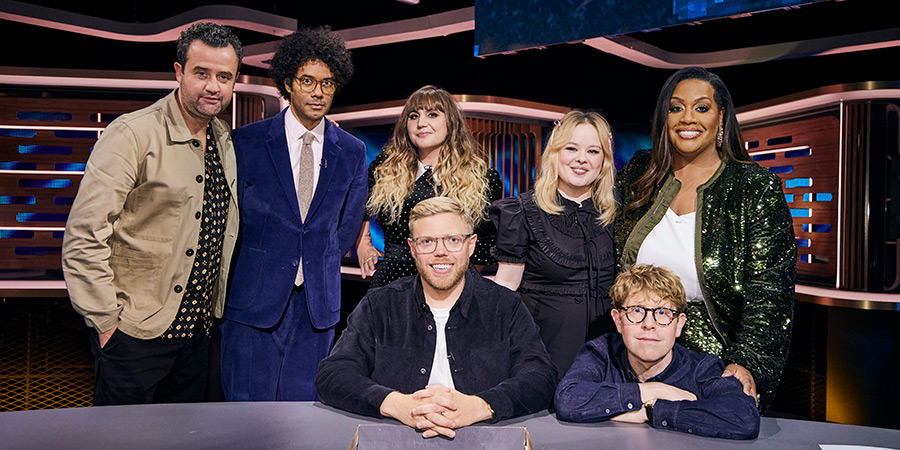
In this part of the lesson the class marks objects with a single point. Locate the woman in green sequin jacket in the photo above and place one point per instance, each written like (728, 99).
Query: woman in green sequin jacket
(745, 250)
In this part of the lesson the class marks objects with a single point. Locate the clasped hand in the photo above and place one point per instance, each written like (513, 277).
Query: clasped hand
(437, 410)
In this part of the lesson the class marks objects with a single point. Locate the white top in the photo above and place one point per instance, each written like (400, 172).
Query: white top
(670, 244)
(294, 130)
(440, 367)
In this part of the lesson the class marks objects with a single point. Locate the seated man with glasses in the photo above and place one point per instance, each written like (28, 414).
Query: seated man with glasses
(442, 349)
(643, 375)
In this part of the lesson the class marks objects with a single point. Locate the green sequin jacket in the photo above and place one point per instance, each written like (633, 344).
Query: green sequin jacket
(746, 262)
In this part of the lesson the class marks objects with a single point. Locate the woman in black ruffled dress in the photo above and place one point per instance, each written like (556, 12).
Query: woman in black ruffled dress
(554, 243)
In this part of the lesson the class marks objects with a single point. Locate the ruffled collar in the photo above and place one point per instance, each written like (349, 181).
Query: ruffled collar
(575, 221)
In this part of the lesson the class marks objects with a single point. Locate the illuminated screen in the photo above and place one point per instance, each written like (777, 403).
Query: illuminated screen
(506, 25)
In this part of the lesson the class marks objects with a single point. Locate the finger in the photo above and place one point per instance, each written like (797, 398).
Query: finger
(426, 408)
(423, 424)
(444, 401)
(429, 433)
(440, 420)
(423, 393)
(444, 431)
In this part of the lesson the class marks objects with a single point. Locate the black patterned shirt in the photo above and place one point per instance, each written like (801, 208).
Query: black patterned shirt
(195, 305)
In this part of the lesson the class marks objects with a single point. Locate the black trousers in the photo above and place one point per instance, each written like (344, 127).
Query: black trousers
(135, 371)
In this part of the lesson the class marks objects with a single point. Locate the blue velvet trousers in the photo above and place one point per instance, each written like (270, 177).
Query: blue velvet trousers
(277, 363)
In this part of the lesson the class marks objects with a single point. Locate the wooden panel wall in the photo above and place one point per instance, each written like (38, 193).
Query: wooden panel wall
(805, 152)
(44, 145)
(513, 149)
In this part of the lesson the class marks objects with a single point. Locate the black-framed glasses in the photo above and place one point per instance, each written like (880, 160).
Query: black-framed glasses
(308, 84)
(428, 244)
(663, 316)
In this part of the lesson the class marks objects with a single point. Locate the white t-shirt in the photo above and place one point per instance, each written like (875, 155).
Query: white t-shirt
(440, 367)
(671, 244)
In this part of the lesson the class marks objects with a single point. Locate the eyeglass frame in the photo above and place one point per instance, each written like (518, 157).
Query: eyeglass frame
(651, 310)
(318, 83)
(443, 241)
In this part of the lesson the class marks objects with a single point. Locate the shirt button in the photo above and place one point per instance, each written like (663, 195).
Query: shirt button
(178, 288)
(195, 143)
(189, 252)
(630, 406)
(197, 214)
(422, 371)
(199, 178)
(430, 327)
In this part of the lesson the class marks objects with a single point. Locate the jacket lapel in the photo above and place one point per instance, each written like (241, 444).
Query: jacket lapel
(330, 154)
(277, 148)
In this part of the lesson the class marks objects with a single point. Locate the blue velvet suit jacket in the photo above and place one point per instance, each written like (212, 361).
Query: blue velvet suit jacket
(272, 237)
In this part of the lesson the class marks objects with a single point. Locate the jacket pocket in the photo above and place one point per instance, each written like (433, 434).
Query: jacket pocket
(154, 215)
(137, 279)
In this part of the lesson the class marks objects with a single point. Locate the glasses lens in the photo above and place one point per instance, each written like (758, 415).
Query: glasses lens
(663, 316)
(306, 84)
(328, 86)
(426, 244)
(635, 314)
(454, 242)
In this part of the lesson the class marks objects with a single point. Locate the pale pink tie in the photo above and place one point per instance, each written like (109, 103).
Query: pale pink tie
(305, 175)
(304, 188)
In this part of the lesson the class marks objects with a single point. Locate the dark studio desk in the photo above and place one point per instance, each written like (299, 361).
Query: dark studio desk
(316, 426)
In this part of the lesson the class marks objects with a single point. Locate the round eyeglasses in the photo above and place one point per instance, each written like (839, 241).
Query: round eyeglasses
(308, 84)
(662, 316)
(428, 244)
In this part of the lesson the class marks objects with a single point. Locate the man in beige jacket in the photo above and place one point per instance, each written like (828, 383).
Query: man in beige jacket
(150, 235)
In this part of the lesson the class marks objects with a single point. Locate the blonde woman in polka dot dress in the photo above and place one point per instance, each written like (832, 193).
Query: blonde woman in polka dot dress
(432, 152)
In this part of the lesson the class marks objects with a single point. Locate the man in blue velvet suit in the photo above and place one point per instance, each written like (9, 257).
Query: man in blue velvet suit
(301, 192)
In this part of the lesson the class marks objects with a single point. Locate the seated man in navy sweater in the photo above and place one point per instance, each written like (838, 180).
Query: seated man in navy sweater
(442, 349)
(642, 375)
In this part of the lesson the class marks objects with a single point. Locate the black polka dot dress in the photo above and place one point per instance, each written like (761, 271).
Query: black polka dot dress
(398, 261)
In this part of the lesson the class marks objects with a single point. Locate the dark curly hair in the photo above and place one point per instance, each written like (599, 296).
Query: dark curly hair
(211, 34)
(309, 44)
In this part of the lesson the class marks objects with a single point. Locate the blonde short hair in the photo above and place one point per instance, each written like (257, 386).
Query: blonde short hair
(439, 205)
(648, 279)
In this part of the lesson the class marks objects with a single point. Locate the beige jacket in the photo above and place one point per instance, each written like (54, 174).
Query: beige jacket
(124, 253)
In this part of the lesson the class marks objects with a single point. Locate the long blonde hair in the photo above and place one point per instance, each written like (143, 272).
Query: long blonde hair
(547, 184)
(461, 170)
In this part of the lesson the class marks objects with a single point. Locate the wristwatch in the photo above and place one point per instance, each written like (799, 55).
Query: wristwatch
(648, 408)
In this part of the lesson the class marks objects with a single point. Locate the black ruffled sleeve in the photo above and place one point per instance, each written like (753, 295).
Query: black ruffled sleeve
(512, 234)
